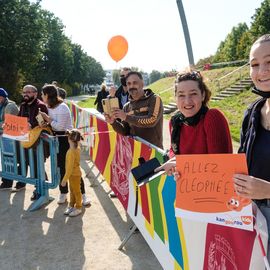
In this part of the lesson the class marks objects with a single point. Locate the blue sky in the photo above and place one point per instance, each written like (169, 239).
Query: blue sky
(152, 28)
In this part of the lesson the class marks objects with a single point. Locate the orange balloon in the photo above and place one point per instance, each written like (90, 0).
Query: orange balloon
(117, 47)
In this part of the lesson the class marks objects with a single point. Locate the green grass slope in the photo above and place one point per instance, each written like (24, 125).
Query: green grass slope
(88, 103)
(234, 108)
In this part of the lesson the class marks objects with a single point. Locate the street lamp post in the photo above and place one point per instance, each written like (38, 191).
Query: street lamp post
(186, 32)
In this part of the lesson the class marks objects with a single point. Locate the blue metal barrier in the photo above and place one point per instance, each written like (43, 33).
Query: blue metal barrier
(13, 154)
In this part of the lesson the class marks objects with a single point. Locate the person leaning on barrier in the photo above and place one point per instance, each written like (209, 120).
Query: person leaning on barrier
(255, 133)
(30, 108)
(194, 128)
(142, 116)
(6, 107)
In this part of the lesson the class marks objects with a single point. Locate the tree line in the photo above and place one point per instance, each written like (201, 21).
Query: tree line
(236, 46)
(34, 49)
(237, 43)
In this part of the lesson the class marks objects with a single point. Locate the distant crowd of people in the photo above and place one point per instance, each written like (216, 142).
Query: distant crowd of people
(195, 128)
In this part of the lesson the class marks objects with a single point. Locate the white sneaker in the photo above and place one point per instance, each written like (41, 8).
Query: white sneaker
(68, 210)
(75, 212)
(62, 198)
(85, 201)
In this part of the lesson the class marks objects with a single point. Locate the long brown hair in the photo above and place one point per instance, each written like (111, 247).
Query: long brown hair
(52, 92)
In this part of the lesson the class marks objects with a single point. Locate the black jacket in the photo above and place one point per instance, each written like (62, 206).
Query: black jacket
(100, 95)
(249, 129)
(118, 94)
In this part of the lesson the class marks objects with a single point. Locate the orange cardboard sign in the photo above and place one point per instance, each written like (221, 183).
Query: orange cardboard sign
(16, 127)
(206, 185)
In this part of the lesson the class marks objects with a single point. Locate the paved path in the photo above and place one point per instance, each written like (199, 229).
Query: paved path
(46, 239)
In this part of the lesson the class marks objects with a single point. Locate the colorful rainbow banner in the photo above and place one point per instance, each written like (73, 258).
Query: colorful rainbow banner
(177, 243)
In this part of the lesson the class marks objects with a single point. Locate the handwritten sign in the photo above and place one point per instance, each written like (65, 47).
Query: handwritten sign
(16, 127)
(205, 190)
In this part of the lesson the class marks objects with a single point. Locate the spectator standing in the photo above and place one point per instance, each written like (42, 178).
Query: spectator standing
(6, 107)
(255, 133)
(73, 174)
(85, 200)
(59, 117)
(195, 129)
(142, 116)
(122, 91)
(103, 93)
(30, 107)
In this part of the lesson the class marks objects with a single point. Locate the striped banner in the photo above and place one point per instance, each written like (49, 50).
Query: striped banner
(177, 243)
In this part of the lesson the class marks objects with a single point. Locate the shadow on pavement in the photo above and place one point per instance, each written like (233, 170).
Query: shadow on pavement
(136, 248)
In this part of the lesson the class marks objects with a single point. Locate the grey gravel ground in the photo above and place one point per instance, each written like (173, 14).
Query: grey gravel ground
(46, 239)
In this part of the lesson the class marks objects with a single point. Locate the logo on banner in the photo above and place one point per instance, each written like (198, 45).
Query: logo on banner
(221, 255)
(121, 166)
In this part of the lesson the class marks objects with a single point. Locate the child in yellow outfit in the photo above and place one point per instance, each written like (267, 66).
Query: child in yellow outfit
(73, 174)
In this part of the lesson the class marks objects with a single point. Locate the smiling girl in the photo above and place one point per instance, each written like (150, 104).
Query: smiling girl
(255, 133)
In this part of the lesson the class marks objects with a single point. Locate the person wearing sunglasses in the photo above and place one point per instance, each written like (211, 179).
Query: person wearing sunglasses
(122, 91)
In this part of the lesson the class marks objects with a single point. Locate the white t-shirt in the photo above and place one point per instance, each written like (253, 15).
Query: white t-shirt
(61, 117)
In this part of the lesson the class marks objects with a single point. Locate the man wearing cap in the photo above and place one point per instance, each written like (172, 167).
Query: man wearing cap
(30, 108)
(6, 107)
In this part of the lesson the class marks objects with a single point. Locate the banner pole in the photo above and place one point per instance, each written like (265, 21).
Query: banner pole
(132, 230)
(266, 263)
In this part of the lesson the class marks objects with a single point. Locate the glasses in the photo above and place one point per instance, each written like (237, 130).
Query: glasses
(27, 92)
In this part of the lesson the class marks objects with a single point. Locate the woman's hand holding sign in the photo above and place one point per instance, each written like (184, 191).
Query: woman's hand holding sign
(170, 168)
(251, 187)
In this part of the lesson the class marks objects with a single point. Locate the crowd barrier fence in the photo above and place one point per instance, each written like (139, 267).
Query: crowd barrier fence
(15, 161)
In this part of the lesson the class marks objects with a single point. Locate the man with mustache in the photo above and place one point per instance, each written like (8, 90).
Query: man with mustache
(142, 116)
(30, 108)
